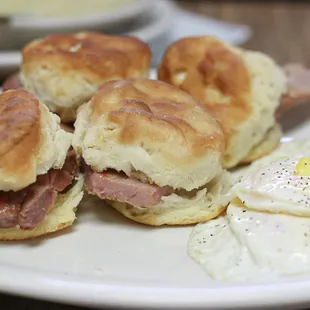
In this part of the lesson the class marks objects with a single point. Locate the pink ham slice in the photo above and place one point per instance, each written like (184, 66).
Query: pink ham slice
(40, 198)
(12, 82)
(298, 78)
(114, 185)
(63, 177)
(298, 83)
(10, 203)
(28, 207)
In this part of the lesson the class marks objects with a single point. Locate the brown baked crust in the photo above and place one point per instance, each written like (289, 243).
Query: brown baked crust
(19, 235)
(19, 130)
(158, 116)
(215, 77)
(96, 55)
(153, 219)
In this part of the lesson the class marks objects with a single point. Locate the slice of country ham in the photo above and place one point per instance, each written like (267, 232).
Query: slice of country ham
(10, 204)
(64, 177)
(12, 82)
(39, 199)
(114, 185)
(298, 83)
(28, 207)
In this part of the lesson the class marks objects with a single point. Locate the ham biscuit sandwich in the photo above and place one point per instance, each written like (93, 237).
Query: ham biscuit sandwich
(242, 89)
(151, 152)
(40, 187)
(64, 70)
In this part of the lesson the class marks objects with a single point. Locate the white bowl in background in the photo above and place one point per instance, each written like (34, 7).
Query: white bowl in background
(106, 18)
(17, 30)
(151, 28)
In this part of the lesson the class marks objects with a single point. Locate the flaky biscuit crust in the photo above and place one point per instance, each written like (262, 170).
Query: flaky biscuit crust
(19, 134)
(64, 71)
(214, 76)
(241, 88)
(152, 127)
(31, 140)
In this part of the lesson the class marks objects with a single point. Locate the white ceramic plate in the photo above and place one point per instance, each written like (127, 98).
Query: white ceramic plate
(107, 260)
(148, 28)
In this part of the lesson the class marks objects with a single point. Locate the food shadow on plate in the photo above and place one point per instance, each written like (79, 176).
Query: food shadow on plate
(91, 210)
(94, 209)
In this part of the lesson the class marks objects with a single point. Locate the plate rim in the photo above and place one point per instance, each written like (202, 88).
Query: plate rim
(48, 286)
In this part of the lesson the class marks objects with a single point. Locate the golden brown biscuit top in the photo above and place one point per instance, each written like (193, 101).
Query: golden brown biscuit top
(157, 116)
(214, 75)
(102, 54)
(19, 128)
(19, 116)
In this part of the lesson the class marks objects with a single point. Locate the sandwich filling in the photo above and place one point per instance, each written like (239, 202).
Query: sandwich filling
(28, 207)
(136, 190)
(12, 82)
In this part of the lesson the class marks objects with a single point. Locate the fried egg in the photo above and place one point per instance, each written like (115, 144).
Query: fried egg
(289, 149)
(215, 246)
(276, 188)
(265, 232)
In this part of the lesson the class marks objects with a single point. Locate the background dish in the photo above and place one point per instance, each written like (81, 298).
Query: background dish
(159, 27)
(150, 28)
(20, 29)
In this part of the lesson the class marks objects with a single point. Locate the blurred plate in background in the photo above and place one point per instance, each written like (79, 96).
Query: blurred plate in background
(149, 27)
(20, 28)
(159, 25)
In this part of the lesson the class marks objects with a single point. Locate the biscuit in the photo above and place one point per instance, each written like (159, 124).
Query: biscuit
(65, 70)
(242, 89)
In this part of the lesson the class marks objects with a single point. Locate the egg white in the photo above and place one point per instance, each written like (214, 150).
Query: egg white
(275, 188)
(247, 245)
(265, 233)
(279, 243)
(293, 149)
(215, 247)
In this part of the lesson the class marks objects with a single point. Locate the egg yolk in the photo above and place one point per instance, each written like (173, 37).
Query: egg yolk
(303, 167)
